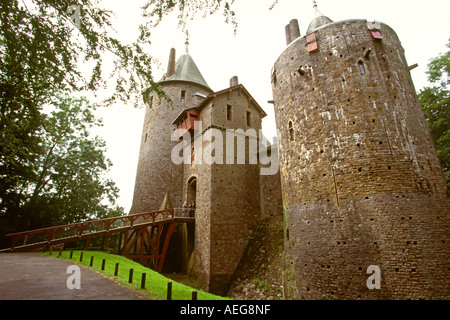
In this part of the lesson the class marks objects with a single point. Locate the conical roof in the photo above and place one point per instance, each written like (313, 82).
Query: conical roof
(186, 70)
(319, 20)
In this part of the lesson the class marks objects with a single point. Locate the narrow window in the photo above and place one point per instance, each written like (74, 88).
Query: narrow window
(291, 131)
(228, 112)
(362, 69)
(150, 102)
(183, 96)
(249, 118)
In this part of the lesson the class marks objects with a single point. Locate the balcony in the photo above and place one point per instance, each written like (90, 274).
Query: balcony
(187, 125)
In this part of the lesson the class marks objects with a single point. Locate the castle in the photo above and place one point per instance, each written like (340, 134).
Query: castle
(227, 193)
(359, 177)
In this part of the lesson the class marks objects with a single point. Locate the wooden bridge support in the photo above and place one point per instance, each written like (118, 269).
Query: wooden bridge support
(148, 244)
(146, 236)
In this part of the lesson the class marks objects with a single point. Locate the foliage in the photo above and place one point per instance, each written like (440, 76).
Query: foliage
(435, 101)
(46, 47)
(67, 181)
(55, 46)
(156, 10)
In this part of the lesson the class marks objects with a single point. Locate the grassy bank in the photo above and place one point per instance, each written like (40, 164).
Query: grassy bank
(155, 285)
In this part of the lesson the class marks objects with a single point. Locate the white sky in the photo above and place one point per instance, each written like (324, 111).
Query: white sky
(422, 26)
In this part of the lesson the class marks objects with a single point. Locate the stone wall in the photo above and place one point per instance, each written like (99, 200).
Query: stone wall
(228, 197)
(270, 187)
(360, 178)
(157, 174)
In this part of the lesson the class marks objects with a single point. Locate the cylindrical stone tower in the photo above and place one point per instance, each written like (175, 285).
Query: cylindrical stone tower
(159, 182)
(362, 186)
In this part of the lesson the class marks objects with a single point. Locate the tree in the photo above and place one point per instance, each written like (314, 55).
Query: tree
(435, 101)
(68, 181)
(156, 10)
(43, 43)
(40, 50)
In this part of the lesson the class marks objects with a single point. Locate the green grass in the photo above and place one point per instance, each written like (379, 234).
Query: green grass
(155, 286)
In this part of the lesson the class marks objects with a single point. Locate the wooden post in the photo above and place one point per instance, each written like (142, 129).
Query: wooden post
(106, 247)
(103, 264)
(51, 250)
(71, 254)
(92, 261)
(60, 252)
(130, 277)
(194, 295)
(119, 246)
(86, 244)
(116, 271)
(169, 290)
(144, 275)
(81, 256)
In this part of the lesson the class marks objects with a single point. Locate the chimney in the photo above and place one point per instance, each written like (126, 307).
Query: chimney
(294, 29)
(288, 35)
(171, 66)
(234, 81)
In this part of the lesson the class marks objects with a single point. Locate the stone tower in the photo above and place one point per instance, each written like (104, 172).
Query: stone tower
(361, 182)
(225, 125)
(158, 180)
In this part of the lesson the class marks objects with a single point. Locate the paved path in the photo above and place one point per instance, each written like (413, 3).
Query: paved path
(30, 276)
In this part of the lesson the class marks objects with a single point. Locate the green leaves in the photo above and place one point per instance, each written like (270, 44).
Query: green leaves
(66, 176)
(156, 10)
(439, 69)
(72, 170)
(435, 103)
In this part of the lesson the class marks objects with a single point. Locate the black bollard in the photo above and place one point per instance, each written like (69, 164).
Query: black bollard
(103, 264)
(130, 277)
(116, 271)
(92, 261)
(169, 290)
(144, 275)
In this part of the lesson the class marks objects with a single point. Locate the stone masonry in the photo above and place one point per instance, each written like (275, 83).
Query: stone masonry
(228, 197)
(361, 181)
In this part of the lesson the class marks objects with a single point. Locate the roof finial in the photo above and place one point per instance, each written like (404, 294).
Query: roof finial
(187, 42)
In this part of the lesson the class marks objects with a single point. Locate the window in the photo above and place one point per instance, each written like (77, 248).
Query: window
(311, 39)
(362, 69)
(249, 120)
(291, 131)
(377, 35)
(228, 112)
(150, 102)
(183, 96)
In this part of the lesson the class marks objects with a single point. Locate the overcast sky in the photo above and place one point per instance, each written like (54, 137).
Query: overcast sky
(422, 26)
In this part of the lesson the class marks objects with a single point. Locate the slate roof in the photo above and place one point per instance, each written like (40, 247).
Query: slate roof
(186, 70)
(319, 20)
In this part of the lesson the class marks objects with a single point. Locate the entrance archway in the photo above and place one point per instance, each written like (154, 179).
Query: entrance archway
(192, 193)
(180, 254)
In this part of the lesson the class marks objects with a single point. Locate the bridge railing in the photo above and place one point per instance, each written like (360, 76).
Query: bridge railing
(184, 213)
(87, 227)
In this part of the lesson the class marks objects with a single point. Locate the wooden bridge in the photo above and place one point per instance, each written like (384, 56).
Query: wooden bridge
(143, 237)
